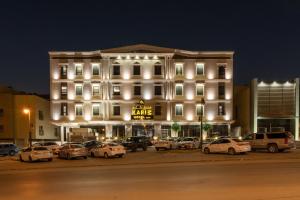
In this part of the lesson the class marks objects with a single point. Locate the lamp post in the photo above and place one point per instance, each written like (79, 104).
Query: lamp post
(202, 102)
(26, 111)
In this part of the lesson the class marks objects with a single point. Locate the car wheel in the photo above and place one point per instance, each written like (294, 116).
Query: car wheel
(121, 156)
(68, 156)
(157, 149)
(12, 153)
(50, 159)
(272, 148)
(206, 150)
(21, 159)
(231, 151)
(106, 155)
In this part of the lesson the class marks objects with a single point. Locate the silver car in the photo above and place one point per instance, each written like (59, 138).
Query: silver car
(35, 153)
(69, 151)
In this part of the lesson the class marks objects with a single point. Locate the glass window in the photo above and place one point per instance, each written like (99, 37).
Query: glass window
(179, 69)
(136, 69)
(179, 89)
(157, 109)
(116, 90)
(96, 70)
(63, 89)
(78, 110)
(78, 70)
(259, 136)
(200, 69)
(41, 115)
(96, 90)
(41, 130)
(221, 71)
(221, 90)
(137, 90)
(157, 69)
(63, 71)
(78, 89)
(157, 90)
(64, 109)
(96, 109)
(221, 109)
(116, 110)
(116, 70)
(199, 90)
(178, 109)
(199, 109)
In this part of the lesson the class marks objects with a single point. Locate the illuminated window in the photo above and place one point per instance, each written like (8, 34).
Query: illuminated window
(178, 109)
(96, 109)
(221, 90)
(96, 90)
(63, 90)
(116, 110)
(136, 69)
(96, 70)
(64, 109)
(116, 90)
(78, 89)
(199, 89)
(199, 69)
(78, 70)
(63, 71)
(199, 109)
(78, 110)
(179, 89)
(221, 109)
(179, 69)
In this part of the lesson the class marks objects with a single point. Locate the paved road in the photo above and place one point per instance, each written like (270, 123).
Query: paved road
(255, 180)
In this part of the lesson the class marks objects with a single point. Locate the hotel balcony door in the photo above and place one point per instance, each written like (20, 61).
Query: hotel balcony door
(147, 130)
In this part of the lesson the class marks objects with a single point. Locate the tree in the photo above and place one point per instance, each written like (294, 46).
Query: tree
(176, 127)
(207, 128)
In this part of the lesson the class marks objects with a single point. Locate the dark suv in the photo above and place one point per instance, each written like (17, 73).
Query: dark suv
(8, 149)
(135, 142)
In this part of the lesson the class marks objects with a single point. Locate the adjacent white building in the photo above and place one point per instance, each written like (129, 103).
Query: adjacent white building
(100, 89)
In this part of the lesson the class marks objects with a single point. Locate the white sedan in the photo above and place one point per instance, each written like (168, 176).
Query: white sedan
(227, 145)
(166, 144)
(35, 153)
(107, 150)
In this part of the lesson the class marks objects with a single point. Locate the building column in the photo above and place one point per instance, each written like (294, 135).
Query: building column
(254, 105)
(297, 110)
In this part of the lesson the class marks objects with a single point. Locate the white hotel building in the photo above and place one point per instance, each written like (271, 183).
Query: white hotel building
(98, 89)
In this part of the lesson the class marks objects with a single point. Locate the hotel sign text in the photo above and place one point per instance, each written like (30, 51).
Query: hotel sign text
(141, 112)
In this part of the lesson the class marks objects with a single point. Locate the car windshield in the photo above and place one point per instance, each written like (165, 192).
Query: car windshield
(237, 140)
(113, 144)
(40, 149)
(187, 139)
(74, 146)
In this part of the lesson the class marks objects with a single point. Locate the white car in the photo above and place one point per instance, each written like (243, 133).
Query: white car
(107, 150)
(52, 146)
(166, 144)
(35, 153)
(188, 143)
(227, 145)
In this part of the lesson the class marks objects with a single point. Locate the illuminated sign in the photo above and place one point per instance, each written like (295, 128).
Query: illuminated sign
(141, 112)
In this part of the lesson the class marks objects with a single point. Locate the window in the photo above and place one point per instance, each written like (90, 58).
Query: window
(116, 110)
(41, 130)
(78, 70)
(157, 90)
(78, 110)
(157, 69)
(96, 109)
(41, 115)
(63, 90)
(224, 141)
(179, 69)
(56, 132)
(63, 109)
(249, 137)
(63, 71)
(96, 90)
(221, 71)
(179, 89)
(116, 90)
(276, 135)
(199, 89)
(221, 90)
(116, 70)
(178, 109)
(1, 128)
(199, 109)
(1, 112)
(137, 90)
(157, 109)
(221, 109)
(136, 69)
(78, 89)
(259, 136)
(199, 69)
(96, 70)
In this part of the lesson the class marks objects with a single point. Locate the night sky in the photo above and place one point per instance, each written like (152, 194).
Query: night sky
(265, 35)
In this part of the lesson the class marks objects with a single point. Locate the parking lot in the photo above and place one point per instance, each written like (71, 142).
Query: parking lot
(151, 156)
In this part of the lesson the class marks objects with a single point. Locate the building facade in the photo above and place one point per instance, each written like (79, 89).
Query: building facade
(275, 106)
(14, 124)
(102, 90)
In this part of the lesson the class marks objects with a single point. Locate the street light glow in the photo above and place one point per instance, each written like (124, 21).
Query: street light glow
(26, 111)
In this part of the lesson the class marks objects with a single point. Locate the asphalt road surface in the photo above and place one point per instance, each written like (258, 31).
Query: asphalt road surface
(241, 180)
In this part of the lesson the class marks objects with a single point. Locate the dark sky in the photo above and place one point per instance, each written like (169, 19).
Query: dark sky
(265, 35)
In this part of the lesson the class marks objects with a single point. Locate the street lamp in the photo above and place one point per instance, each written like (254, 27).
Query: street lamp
(202, 102)
(26, 111)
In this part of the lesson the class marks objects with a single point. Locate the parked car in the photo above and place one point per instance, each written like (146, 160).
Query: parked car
(69, 151)
(136, 142)
(8, 149)
(166, 144)
(107, 150)
(227, 145)
(273, 142)
(35, 153)
(91, 144)
(52, 146)
(188, 143)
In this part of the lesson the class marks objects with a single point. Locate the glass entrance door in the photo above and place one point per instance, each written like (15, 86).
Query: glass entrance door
(139, 130)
